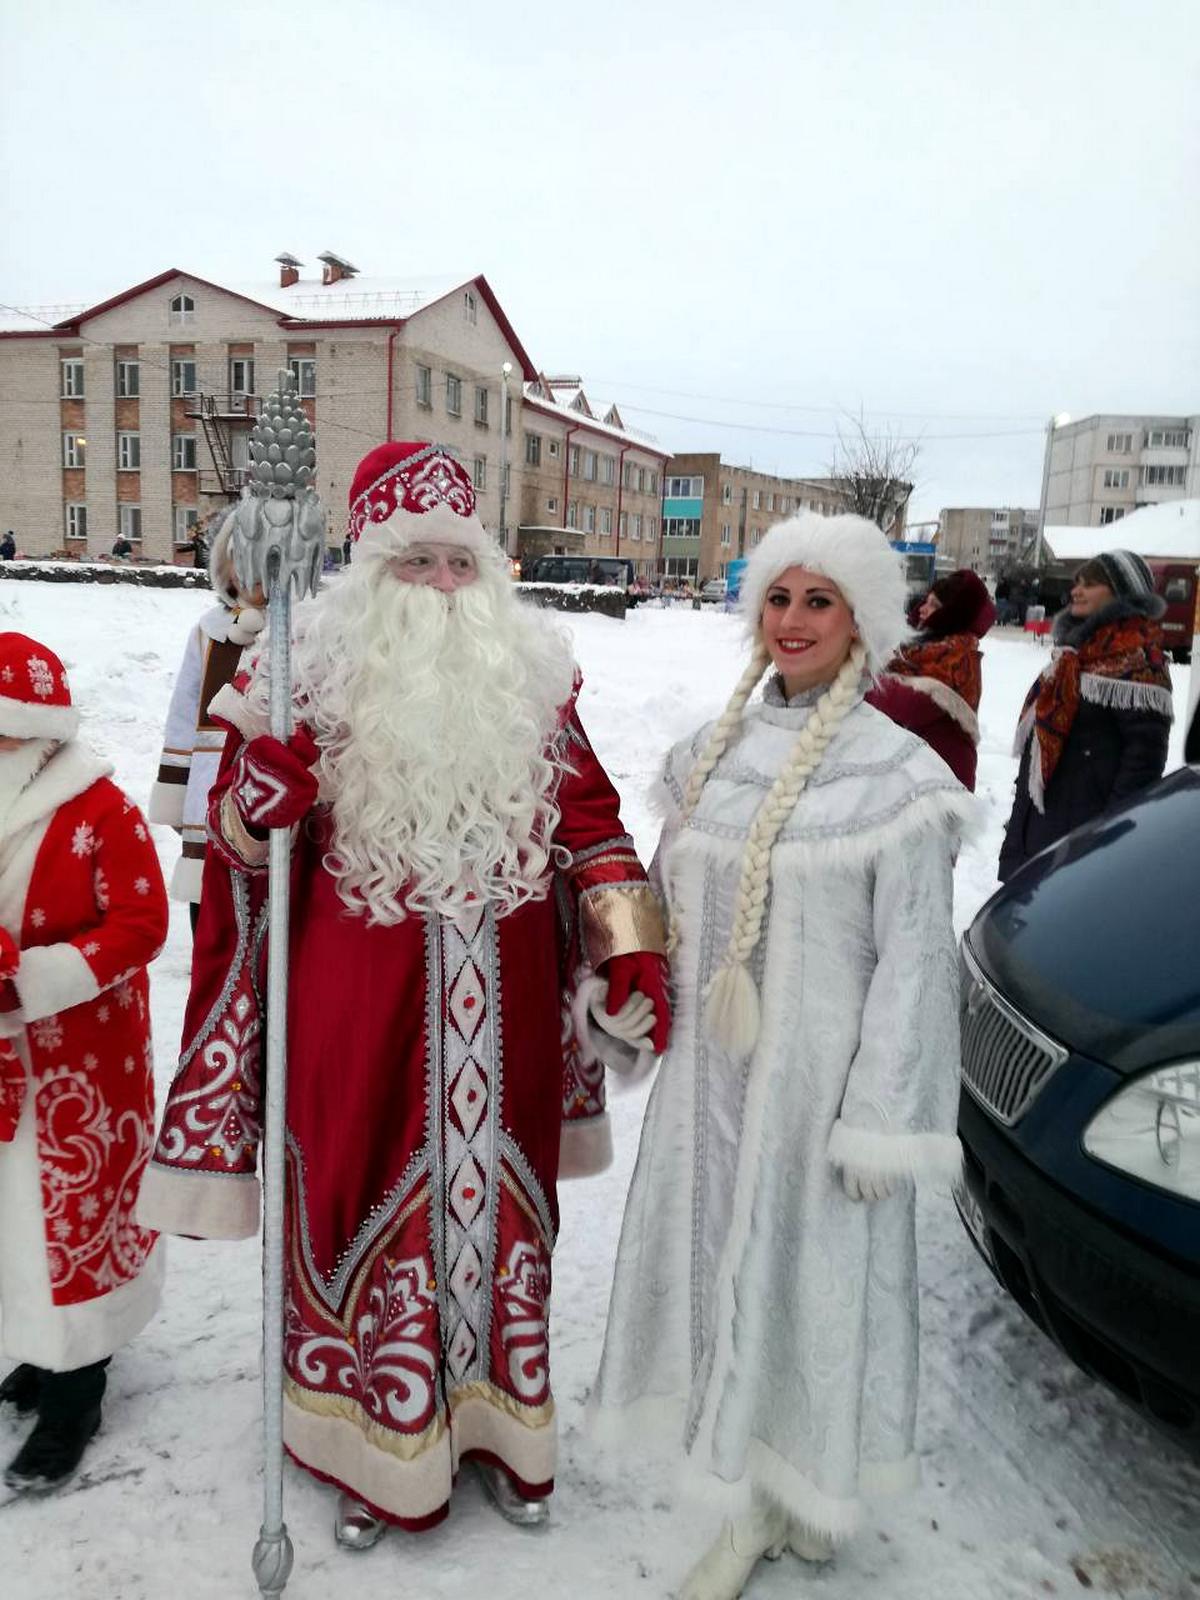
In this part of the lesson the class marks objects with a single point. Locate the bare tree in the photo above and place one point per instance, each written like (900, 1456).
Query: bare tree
(873, 471)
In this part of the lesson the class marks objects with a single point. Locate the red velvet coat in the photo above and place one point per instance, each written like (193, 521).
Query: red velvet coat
(80, 887)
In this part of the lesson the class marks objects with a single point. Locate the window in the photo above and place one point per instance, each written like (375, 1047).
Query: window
(533, 449)
(654, 483)
(481, 405)
(1119, 444)
(627, 476)
(1177, 589)
(784, 503)
(182, 311)
(76, 521)
(572, 513)
(186, 518)
(183, 452)
(479, 472)
(681, 528)
(624, 524)
(727, 534)
(470, 306)
(131, 522)
(590, 465)
(1111, 514)
(758, 499)
(453, 395)
(552, 503)
(1116, 477)
(1164, 477)
(573, 460)
(589, 519)
(241, 375)
(74, 450)
(636, 530)
(183, 377)
(552, 448)
(72, 378)
(641, 480)
(304, 370)
(608, 470)
(651, 528)
(129, 379)
(606, 521)
(726, 494)
(1158, 438)
(129, 451)
(424, 386)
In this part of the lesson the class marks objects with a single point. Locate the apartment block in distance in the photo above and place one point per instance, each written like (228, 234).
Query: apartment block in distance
(985, 538)
(589, 486)
(1101, 468)
(714, 512)
(132, 416)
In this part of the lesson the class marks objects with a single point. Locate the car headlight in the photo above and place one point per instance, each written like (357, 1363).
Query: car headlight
(1151, 1129)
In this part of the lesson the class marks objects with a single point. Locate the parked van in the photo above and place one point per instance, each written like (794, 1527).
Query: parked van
(1176, 582)
(609, 571)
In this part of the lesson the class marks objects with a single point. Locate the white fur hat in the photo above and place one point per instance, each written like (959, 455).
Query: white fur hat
(851, 552)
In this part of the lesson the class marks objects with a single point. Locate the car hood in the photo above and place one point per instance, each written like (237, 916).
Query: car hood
(1097, 940)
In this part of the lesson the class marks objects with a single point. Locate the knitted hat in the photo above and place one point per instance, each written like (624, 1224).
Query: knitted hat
(405, 493)
(1129, 578)
(851, 552)
(35, 698)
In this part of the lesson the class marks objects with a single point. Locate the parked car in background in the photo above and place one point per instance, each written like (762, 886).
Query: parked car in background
(1080, 1112)
(713, 591)
(605, 570)
(1176, 582)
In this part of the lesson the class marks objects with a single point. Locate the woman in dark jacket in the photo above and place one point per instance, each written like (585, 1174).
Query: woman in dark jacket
(1095, 724)
(932, 685)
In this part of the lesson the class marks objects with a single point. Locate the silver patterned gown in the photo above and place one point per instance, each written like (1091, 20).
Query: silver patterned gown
(763, 1326)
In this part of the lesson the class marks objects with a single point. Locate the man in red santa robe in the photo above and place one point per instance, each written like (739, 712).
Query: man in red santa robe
(82, 911)
(472, 934)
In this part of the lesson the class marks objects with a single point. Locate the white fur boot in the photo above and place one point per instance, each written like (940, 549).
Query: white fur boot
(723, 1571)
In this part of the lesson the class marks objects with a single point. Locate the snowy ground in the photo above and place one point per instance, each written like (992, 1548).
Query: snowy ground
(1036, 1482)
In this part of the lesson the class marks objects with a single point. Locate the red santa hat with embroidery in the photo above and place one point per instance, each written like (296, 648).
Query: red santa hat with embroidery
(414, 492)
(35, 697)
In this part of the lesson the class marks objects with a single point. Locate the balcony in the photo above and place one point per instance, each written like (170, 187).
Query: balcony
(224, 407)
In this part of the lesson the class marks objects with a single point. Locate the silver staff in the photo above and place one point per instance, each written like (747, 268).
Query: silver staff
(278, 544)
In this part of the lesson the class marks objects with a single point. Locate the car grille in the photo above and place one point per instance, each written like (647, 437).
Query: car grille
(1006, 1060)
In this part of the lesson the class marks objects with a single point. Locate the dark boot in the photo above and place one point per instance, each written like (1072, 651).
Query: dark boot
(22, 1388)
(68, 1417)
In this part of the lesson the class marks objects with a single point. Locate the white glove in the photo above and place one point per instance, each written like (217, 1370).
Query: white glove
(633, 1024)
(867, 1189)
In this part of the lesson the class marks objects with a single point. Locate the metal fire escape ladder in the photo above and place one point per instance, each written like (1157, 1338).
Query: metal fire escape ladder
(215, 438)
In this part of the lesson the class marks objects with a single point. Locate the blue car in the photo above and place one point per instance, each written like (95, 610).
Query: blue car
(1080, 1111)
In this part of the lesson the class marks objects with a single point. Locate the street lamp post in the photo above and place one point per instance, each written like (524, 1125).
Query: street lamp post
(505, 373)
(1059, 421)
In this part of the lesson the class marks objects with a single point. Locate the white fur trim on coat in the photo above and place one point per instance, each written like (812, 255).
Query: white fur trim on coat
(198, 1205)
(166, 804)
(585, 1147)
(944, 697)
(20, 719)
(851, 552)
(53, 978)
(187, 879)
(932, 1157)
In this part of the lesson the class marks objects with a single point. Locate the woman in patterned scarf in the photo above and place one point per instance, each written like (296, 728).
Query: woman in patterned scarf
(1094, 726)
(933, 682)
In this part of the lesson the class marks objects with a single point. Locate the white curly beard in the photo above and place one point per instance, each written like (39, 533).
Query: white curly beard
(434, 715)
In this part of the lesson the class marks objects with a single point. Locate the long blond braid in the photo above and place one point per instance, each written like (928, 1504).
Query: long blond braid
(731, 1000)
(723, 728)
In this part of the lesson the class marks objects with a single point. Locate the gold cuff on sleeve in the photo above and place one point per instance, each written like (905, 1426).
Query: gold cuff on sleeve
(616, 919)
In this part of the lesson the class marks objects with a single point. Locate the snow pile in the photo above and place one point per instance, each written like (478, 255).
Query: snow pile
(1036, 1482)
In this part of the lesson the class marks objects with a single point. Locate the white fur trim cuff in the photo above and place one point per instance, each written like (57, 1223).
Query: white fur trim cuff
(166, 804)
(53, 978)
(187, 879)
(923, 1157)
(945, 698)
(585, 1147)
(198, 1205)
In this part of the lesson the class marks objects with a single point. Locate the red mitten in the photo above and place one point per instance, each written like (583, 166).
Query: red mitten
(647, 973)
(10, 955)
(12, 1090)
(271, 783)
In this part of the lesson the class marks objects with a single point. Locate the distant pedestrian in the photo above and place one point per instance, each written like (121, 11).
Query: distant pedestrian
(347, 546)
(8, 546)
(1095, 725)
(122, 547)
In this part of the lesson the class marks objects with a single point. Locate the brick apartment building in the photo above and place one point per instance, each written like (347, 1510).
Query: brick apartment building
(590, 485)
(132, 417)
(985, 538)
(714, 512)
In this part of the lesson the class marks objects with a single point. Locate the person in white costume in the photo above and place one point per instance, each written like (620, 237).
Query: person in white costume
(764, 1310)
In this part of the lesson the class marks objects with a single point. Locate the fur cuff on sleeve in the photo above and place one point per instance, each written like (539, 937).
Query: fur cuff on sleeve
(52, 978)
(585, 1147)
(198, 1205)
(166, 804)
(923, 1157)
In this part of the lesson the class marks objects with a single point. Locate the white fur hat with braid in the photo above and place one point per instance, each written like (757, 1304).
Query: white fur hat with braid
(855, 555)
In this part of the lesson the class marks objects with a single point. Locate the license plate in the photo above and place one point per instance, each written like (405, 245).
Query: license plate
(971, 1212)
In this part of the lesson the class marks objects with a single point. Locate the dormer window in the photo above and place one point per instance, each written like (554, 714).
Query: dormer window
(182, 311)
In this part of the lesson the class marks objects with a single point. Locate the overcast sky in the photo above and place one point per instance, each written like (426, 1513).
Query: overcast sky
(740, 221)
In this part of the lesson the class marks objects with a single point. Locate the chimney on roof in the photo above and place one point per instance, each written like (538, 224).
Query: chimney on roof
(289, 270)
(336, 268)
